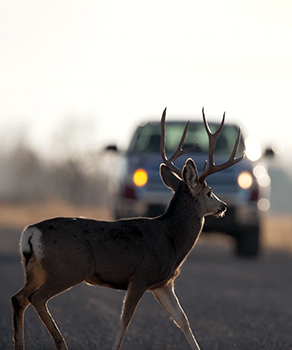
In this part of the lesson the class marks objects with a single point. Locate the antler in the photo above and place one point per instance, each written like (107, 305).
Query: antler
(212, 168)
(178, 152)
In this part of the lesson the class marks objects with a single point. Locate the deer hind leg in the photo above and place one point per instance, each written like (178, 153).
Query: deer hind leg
(168, 299)
(131, 302)
(35, 277)
(39, 301)
(19, 304)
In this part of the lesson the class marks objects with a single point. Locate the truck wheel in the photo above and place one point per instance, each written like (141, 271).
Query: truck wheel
(248, 241)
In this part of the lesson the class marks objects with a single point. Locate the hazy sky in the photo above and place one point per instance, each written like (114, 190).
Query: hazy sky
(116, 62)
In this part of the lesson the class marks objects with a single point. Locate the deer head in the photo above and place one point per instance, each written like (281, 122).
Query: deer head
(171, 175)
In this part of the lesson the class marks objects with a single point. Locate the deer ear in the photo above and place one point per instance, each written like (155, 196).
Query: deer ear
(190, 173)
(168, 178)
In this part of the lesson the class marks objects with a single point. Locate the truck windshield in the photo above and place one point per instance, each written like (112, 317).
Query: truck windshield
(147, 138)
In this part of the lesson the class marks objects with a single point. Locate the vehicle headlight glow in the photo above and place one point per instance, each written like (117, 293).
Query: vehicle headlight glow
(252, 149)
(140, 177)
(245, 180)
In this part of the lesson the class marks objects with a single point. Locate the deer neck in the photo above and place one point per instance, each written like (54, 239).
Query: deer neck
(183, 219)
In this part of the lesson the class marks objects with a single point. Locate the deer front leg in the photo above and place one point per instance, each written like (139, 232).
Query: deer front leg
(167, 298)
(131, 302)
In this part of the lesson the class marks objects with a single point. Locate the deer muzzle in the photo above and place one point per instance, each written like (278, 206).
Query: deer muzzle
(222, 210)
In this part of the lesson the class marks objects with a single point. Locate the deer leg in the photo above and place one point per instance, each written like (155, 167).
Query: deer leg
(39, 301)
(168, 299)
(131, 302)
(19, 304)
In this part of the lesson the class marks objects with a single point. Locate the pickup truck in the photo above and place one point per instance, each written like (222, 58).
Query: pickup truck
(140, 191)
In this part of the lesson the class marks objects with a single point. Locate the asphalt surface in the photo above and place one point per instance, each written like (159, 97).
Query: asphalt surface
(232, 304)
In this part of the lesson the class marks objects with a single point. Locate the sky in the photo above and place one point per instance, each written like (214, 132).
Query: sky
(110, 64)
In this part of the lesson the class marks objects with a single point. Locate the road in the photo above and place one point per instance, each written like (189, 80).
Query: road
(232, 304)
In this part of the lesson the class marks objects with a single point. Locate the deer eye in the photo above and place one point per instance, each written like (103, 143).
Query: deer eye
(209, 194)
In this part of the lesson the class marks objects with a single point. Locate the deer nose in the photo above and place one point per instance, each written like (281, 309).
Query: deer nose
(221, 212)
(223, 207)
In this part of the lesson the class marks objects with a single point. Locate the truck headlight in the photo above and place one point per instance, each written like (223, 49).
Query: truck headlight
(245, 180)
(140, 177)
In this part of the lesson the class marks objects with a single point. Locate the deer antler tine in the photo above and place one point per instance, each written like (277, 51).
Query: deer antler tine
(190, 148)
(167, 162)
(205, 165)
(179, 151)
(162, 141)
(182, 139)
(205, 122)
(217, 132)
(212, 168)
(235, 148)
(221, 125)
(236, 143)
(183, 136)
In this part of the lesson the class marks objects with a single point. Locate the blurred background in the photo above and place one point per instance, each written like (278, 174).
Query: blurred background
(78, 76)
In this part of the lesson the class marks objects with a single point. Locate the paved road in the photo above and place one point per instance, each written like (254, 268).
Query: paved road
(232, 304)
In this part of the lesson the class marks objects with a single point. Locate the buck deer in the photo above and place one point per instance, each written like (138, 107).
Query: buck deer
(136, 255)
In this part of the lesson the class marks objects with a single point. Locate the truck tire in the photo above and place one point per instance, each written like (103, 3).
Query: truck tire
(248, 241)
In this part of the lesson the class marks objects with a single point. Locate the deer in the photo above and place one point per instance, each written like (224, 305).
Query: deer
(132, 254)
